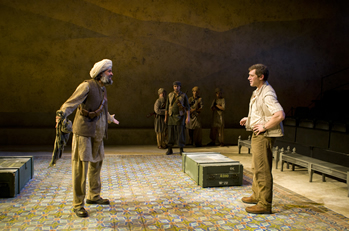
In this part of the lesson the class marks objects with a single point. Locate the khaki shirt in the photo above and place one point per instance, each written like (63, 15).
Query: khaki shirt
(263, 105)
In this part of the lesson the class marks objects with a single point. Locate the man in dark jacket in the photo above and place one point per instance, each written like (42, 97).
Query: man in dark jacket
(176, 107)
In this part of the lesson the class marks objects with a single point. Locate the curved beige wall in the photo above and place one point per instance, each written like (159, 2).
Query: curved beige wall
(49, 47)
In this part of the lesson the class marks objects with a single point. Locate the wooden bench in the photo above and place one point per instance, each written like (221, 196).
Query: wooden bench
(246, 143)
(276, 156)
(312, 164)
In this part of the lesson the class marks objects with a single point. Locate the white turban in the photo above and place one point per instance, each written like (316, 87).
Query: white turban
(100, 67)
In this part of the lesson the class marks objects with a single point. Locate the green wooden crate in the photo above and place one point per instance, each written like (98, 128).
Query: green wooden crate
(220, 174)
(24, 165)
(213, 169)
(9, 183)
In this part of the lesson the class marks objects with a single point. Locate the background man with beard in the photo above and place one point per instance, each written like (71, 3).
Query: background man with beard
(177, 106)
(89, 128)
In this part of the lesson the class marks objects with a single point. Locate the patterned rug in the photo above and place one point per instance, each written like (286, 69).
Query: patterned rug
(150, 192)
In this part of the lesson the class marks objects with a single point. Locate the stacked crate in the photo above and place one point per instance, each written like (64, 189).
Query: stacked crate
(15, 172)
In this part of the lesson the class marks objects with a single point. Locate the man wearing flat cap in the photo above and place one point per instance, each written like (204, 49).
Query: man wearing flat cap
(90, 126)
(177, 109)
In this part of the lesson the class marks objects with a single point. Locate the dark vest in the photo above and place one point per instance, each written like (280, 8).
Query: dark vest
(84, 126)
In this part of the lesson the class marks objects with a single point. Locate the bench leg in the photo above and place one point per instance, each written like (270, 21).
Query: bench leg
(348, 182)
(323, 178)
(277, 155)
(310, 171)
(239, 146)
(249, 151)
(282, 165)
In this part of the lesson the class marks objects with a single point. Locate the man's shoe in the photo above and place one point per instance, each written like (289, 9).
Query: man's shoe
(169, 151)
(180, 151)
(81, 212)
(100, 201)
(249, 200)
(212, 143)
(256, 209)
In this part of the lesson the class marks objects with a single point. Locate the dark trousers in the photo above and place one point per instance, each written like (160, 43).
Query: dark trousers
(176, 135)
(195, 136)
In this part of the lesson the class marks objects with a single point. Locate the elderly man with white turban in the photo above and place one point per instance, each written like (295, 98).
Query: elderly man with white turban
(90, 126)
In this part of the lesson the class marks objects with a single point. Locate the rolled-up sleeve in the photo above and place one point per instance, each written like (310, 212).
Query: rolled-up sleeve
(273, 104)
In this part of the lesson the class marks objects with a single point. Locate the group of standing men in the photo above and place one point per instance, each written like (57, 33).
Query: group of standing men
(264, 120)
(176, 116)
(92, 117)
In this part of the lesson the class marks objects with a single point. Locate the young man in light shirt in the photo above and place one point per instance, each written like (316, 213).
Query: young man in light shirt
(265, 121)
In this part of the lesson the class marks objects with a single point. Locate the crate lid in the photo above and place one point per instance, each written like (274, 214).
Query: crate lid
(211, 158)
(13, 162)
(200, 153)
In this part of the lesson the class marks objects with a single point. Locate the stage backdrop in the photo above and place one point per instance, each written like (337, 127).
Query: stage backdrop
(49, 47)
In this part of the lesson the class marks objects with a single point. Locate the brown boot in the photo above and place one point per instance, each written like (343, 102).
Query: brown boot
(256, 209)
(249, 200)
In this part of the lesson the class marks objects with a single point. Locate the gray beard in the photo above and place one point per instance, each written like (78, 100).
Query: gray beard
(105, 80)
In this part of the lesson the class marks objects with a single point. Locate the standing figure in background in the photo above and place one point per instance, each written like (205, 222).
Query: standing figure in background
(194, 127)
(217, 127)
(264, 119)
(159, 122)
(177, 106)
(90, 126)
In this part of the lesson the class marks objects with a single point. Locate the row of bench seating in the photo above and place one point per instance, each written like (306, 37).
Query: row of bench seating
(313, 164)
(317, 139)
